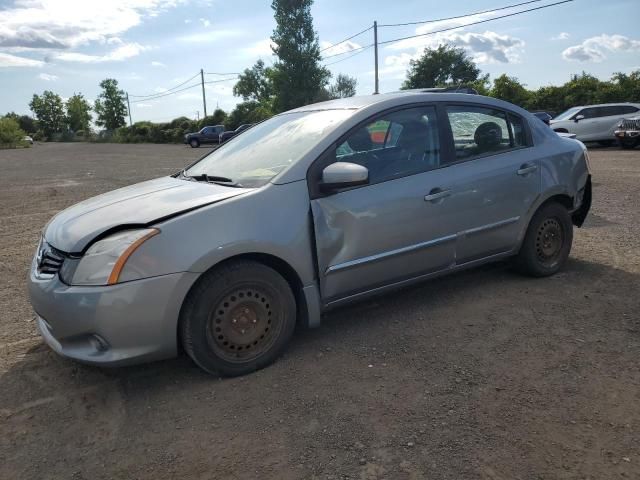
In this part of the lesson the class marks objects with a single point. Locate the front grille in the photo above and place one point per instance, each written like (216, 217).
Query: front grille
(628, 124)
(48, 260)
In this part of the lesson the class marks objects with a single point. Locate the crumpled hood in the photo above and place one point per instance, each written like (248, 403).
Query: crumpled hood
(141, 204)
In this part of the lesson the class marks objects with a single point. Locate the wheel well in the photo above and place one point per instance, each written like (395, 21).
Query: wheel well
(284, 269)
(564, 200)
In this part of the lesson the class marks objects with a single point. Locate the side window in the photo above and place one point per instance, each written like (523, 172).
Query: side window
(394, 145)
(594, 112)
(625, 109)
(610, 111)
(517, 130)
(479, 130)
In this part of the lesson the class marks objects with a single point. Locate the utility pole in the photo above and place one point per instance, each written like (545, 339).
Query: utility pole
(204, 98)
(197, 114)
(129, 109)
(375, 49)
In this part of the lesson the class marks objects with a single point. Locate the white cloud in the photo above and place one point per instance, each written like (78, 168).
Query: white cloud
(561, 36)
(123, 52)
(49, 24)
(261, 48)
(48, 77)
(210, 36)
(144, 105)
(594, 49)
(158, 64)
(206, 23)
(8, 60)
(187, 21)
(487, 47)
(341, 48)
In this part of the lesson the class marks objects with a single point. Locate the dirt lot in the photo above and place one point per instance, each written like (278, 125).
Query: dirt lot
(484, 374)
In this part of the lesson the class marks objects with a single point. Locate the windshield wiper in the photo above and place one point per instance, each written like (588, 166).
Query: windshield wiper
(203, 177)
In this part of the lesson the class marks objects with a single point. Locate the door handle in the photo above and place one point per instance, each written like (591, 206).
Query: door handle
(436, 194)
(526, 169)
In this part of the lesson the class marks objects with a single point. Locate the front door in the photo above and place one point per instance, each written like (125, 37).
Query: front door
(396, 227)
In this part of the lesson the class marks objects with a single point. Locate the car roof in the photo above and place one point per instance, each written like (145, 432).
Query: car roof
(616, 104)
(397, 98)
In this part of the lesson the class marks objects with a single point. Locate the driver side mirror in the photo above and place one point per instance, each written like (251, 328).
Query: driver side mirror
(343, 175)
(578, 118)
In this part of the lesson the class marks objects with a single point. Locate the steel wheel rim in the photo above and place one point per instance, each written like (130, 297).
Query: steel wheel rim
(549, 241)
(244, 324)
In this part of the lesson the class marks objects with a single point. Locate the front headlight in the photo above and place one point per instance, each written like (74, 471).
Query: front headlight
(105, 259)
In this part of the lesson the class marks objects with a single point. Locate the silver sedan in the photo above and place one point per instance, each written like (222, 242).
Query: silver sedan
(307, 211)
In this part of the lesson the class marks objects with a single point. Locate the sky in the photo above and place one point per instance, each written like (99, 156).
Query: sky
(150, 46)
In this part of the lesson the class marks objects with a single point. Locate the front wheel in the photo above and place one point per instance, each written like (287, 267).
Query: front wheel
(628, 143)
(194, 143)
(238, 318)
(547, 243)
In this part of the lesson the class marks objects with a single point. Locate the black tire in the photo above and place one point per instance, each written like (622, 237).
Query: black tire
(628, 144)
(238, 318)
(194, 142)
(547, 243)
(605, 143)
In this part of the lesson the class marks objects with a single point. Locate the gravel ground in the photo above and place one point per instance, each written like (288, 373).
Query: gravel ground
(480, 375)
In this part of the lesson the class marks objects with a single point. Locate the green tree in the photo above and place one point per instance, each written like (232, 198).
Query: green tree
(442, 66)
(248, 112)
(26, 123)
(111, 105)
(49, 110)
(218, 118)
(511, 90)
(255, 83)
(78, 113)
(344, 86)
(298, 77)
(10, 133)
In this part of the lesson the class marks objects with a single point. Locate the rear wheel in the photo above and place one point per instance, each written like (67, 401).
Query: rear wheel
(238, 318)
(194, 142)
(547, 243)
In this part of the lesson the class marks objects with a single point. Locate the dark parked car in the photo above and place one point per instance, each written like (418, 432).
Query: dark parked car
(209, 134)
(544, 116)
(628, 132)
(224, 136)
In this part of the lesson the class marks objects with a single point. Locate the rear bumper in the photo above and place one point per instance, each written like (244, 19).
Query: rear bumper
(115, 325)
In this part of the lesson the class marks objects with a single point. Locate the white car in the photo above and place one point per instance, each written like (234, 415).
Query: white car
(594, 123)
(28, 139)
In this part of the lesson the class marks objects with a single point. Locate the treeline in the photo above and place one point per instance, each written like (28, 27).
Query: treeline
(296, 78)
(447, 65)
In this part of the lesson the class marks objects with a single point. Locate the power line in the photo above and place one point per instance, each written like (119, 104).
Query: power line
(474, 23)
(229, 73)
(223, 80)
(165, 94)
(353, 55)
(347, 39)
(348, 51)
(458, 16)
(168, 90)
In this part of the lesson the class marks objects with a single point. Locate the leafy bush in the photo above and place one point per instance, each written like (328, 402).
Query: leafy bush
(11, 136)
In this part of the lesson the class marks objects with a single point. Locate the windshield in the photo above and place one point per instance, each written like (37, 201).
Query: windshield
(567, 114)
(265, 150)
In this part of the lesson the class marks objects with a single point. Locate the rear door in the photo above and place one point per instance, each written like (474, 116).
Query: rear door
(390, 230)
(494, 180)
